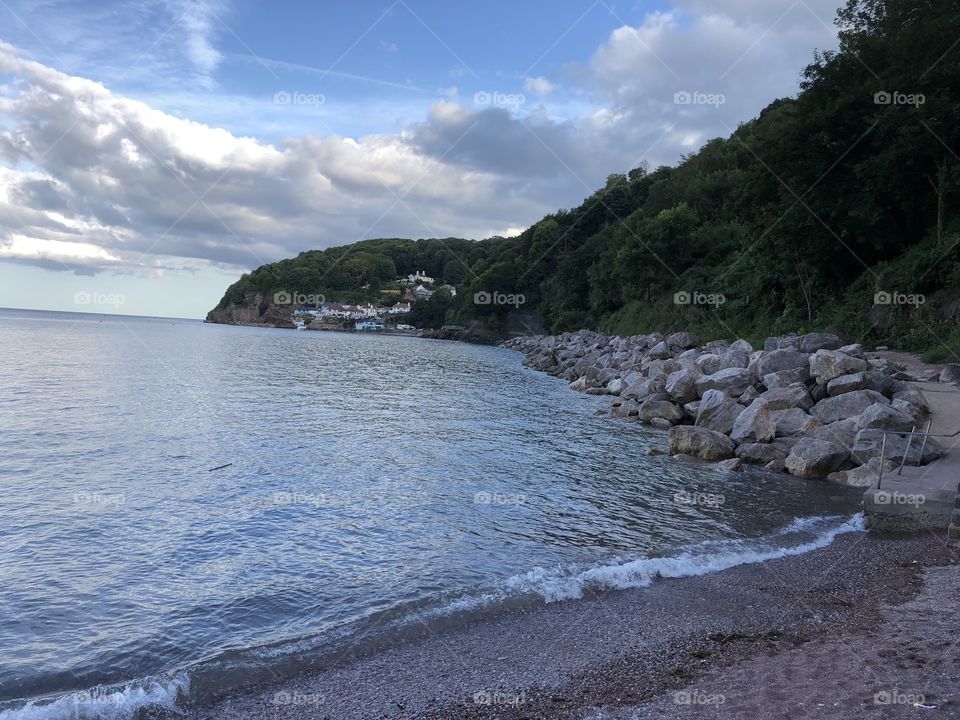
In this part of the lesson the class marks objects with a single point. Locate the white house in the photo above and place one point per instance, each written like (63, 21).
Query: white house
(369, 325)
(418, 277)
(421, 293)
(401, 308)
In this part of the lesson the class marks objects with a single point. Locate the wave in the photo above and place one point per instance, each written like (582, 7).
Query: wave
(538, 585)
(107, 702)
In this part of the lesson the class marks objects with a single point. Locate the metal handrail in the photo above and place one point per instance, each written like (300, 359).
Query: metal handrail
(903, 461)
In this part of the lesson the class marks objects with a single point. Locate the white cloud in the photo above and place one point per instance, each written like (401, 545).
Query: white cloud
(538, 86)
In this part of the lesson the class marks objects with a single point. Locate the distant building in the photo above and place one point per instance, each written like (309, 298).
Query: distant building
(400, 308)
(421, 293)
(418, 277)
(369, 325)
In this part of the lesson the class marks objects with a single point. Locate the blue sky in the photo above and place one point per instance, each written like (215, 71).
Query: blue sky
(159, 149)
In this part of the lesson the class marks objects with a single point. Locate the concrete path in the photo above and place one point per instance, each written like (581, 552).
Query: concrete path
(923, 497)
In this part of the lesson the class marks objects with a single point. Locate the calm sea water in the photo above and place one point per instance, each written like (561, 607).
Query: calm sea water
(373, 483)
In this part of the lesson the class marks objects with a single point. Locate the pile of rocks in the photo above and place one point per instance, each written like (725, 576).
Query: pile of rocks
(803, 404)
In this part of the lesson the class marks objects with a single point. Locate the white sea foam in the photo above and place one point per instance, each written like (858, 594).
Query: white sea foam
(105, 703)
(623, 574)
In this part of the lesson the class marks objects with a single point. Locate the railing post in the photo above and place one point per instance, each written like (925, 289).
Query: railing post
(926, 434)
(883, 459)
(906, 454)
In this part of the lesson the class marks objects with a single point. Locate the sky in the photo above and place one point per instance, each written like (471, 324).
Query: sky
(152, 151)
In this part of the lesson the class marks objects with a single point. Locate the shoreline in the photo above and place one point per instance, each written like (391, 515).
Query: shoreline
(615, 650)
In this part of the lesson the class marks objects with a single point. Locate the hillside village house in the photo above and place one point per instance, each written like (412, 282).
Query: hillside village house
(418, 277)
(401, 308)
(421, 293)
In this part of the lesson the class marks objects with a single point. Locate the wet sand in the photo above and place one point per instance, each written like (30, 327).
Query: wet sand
(803, 636)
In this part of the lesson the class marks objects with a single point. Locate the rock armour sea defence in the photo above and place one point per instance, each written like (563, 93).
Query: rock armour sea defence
(804, 404)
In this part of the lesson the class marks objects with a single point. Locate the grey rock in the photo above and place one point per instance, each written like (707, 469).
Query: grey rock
(866, 380)
(709, 363)
(717, 411)
(626, 409)
(644, 388)
(855, 350)
(780, 360)
(742, 345)
(682, 386)
(846, 406)
(794, 422)
(755, 424)
(914, 397)
(793, 396)
(785, 378)
(748, 396)
(842, 432)
(950, 374)
(700, 443)
(760, 453)
(868, 443)
(732, 381)
(682, 340)
(616, 386)
(777, 465)
(660, 351)
(651, 409)
(863, 476)
(812, 342)
(812, 458)
(885, 417)
(731, 465)
(661, 423)
(735, 359)
(825, 365)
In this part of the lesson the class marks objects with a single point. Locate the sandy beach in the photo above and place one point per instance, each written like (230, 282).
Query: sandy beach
(823, 634)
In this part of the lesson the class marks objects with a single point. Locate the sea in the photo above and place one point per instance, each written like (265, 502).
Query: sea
(191, 508)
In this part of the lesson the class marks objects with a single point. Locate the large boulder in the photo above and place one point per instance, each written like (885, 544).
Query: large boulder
(812, 342)
(625, 409)
(868, 444)
(732, 381)
(792, 396)
(780, 360)
(650, 409)
(760, 453)
(842, 432)
(825, 365)
(885, 417)
(863, 476)
(616, 386)
(812, 458)
(794, 422)
(742, 345)
(846, 406)
(699, 442)
(709, 363)
(755, 424)
(914, 397)
(950, 374)
(717, 411)
(869, 380)
(786, 378)
(682, 386)
(644, 389)
(682, 340)
(660, 351)
(735, 359)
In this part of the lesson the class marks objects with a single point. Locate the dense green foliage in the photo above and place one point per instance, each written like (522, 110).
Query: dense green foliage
(796, 221)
